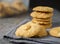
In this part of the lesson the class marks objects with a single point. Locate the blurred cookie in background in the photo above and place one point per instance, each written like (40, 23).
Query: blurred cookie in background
(11, 11)
(19, 6)
(15, 8)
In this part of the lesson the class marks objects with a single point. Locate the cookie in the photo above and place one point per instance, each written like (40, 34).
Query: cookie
(43, 20)
(47, 26)
(41, 15)
(11, 11)
(43, 9)
(19, 6)
(42, 33)
(28, 30)
(40, 22)
(55, 32)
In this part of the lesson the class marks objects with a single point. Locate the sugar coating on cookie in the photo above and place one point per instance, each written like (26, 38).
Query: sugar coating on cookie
(28, 30)
(43, 9)
(41, 15)
(55, 32)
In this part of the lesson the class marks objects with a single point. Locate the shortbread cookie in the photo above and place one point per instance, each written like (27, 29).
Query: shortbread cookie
(43, 9)
(41, 15)
(28, 30)
(55, 32)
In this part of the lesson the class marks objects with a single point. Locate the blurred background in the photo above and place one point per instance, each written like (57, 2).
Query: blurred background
(51, 3)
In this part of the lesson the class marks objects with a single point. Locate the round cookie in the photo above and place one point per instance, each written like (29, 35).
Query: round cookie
(43, 9)
(39, 19)
(55, 32)
(42, 33)
(40, 22)
(28, 30)
(41, 15)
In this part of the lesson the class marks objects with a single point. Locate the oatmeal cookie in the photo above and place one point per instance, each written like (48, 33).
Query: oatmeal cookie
(43, 9)
(55, 32)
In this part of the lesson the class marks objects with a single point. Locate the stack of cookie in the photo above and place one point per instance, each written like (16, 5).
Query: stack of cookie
(43, 16)
(42, 19)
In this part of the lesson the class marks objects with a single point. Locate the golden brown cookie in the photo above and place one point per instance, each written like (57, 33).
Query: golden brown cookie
(19, 6)
(10, 11)
(28, 30)
(42, 33)
(40, 22)
(43, 9)
(39, 19)
(41, 15)
(55, 32)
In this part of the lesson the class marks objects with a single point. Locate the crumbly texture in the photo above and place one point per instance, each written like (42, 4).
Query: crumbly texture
(43, 9)
(41, 15)
(42, 33)
(55, 32)
(42, 20)
(28, 30)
